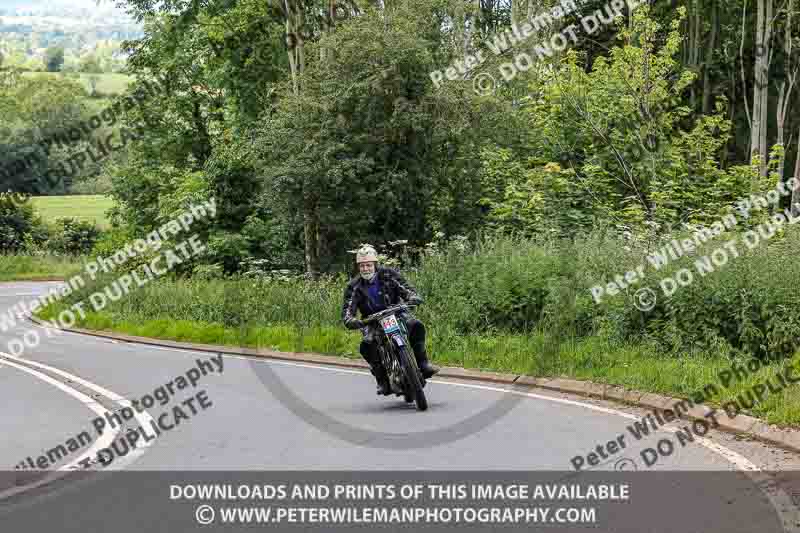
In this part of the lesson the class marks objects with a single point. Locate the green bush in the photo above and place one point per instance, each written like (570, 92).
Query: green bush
(73, 237)
(17, 219)
(749, 304)
(112, 240)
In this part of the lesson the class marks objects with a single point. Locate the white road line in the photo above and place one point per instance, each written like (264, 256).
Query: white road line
(143, 418)
(738, 460)
(781, 501)
(741, 462)
(104, 441)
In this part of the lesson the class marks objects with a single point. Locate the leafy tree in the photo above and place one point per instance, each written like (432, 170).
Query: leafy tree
(358, 151)
(90, 65)
(54, 58)
(315, 124)
(32, 110)
(615, 143)
(17, 219)
(73, 236)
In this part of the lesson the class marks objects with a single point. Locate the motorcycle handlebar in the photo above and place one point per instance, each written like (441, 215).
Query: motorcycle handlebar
(388, 311)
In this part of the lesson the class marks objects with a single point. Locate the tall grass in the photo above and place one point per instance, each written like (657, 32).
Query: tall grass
(514, 286)
(15, 267)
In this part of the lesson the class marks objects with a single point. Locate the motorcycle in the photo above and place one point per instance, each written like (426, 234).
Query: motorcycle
(405, 378)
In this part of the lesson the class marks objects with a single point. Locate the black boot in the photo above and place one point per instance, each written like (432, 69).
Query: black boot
(369, 351)
(428, 370)
(382, 379)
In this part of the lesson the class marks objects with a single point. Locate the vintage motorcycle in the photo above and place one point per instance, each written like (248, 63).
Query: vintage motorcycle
(397, 357)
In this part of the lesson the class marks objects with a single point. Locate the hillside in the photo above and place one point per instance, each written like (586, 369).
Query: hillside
(106, 83)
(28, 28)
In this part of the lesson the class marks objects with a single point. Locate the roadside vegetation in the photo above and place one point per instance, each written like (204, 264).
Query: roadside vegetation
(27, 267)
(502, 305)
(32, 249)
(505, 207)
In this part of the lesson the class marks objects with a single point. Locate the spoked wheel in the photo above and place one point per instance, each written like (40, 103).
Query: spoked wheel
(413, 382)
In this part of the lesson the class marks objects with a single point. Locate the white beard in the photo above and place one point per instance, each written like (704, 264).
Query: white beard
(369, 277)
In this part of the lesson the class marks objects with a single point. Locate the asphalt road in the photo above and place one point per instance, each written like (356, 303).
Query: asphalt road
(54, 392)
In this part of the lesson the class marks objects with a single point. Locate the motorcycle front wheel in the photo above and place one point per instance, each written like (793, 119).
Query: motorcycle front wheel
(413, 383)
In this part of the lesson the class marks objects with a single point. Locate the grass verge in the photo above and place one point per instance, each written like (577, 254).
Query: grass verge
(38, 268)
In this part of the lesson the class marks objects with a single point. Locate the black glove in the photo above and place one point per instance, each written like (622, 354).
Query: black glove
(415, 301)
(354, 323)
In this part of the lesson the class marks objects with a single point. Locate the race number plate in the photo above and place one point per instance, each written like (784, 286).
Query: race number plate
(390, 324)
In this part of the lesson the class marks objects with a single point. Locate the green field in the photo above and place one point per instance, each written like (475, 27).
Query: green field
(83, 207)
(106, 83)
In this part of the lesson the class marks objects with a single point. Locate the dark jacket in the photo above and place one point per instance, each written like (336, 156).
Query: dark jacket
(393, 289)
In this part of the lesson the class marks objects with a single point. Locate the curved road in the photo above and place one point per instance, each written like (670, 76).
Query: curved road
(53, 392)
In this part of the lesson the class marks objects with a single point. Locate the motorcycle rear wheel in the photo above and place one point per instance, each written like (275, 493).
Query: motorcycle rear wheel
(413, 383)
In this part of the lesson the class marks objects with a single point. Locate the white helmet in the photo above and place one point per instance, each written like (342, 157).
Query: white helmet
(366, 253)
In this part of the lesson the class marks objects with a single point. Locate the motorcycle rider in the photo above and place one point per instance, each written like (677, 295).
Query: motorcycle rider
(376, 289)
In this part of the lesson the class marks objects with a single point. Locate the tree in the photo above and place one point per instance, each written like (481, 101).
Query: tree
(357, 142)
(90, 65)
(35, 108)
(315, 125)
(219, 65)
(54, 58)
(17, 219)
(763, 48)
(786, 86)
